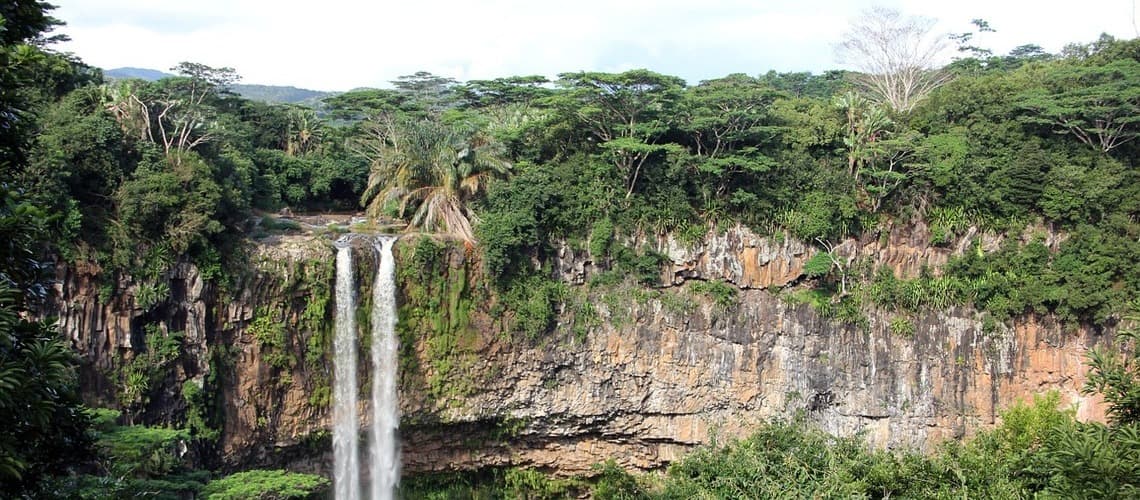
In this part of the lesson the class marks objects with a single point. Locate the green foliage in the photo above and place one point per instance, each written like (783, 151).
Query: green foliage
(820, 215)
(847, 309)
(924, 292)
(435, 312)
(946, 223)
(148, 367)
(1099, 104)
(197, 411)
(819, 265)
(140, 451)
(1115, 374)
(791, 460)
(613, 483)
(431, 169)
(901, 326)
(266, 484)
(723, 294)
(45, 430)
(601, 239)
(490, 484)
(273, 338)
(153, 462)
(534, 301)
(1089, 278)
(645, 266)
(1090, 461)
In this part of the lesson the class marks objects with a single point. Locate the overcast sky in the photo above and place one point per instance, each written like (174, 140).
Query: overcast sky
(344, 44)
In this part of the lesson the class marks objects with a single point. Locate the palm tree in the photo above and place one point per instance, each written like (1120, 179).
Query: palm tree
(431, 170)
(303, 133)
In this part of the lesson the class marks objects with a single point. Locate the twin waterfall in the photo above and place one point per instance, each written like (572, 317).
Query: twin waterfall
(383, 456)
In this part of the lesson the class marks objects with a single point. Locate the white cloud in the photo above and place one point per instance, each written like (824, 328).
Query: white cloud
(341, 44)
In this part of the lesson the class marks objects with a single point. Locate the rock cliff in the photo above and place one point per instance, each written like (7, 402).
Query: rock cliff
(652, 373)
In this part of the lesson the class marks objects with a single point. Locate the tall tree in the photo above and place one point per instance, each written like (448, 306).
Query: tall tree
(728, 121)
(185, 112)
(877, 148)
(430, 170)
(433, 92)
(897, 57)
(304, 133)
(626, 113)
(44, 427)
(1099, 104)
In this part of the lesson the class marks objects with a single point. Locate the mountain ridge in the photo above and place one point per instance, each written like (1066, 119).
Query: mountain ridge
(273, 94)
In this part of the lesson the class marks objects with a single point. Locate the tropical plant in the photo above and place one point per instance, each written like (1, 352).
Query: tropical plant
(304, 133)
(430, 170)
(1116, 374)
(44, 430)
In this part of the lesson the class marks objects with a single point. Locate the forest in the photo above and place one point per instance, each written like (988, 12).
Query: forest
(133, 177)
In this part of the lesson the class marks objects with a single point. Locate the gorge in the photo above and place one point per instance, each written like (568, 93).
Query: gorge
(594, 285)
(654, 374)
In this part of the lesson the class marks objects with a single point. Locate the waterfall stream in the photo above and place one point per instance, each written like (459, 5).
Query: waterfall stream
(384, 461)
(346, 421)
(384, 458)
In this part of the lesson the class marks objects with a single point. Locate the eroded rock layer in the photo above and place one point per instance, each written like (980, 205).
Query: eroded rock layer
(653, 375)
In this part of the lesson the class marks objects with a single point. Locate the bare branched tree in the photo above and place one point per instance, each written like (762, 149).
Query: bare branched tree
(896, 56)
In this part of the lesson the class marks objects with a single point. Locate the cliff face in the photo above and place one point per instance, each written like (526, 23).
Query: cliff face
(651, 374)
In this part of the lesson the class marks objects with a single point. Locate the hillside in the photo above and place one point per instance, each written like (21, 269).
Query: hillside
(149, 75)
(272, 94)
(277, 94)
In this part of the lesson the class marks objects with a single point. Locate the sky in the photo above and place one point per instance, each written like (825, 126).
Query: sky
(346, 44)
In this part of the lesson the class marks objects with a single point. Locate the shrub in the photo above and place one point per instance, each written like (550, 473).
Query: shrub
(267, 484)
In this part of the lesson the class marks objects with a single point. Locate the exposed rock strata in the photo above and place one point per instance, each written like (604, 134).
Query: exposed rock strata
(649, 383)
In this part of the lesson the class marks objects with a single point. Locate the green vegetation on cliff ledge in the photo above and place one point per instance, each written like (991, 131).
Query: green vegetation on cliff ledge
(435, 311)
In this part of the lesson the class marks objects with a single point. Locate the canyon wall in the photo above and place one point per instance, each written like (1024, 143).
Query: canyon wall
(651, 374)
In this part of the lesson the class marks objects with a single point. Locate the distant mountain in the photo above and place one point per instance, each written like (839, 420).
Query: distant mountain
(149, 75)
(280, 94)
(275, 94)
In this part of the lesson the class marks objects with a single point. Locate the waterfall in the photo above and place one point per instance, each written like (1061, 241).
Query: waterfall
(346, 422)
(384, 458)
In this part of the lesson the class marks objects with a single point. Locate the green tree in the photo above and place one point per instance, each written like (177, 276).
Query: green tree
(431, 92)
(729, 126)
(1099, 104)
(304, 133)
(45, 430)
(627, 114)
(430, 170)
(359, 104)
(267, 484)
(876, 152)
(1115, 374)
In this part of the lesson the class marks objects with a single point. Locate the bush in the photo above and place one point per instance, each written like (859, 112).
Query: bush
(266, 484)
(722, 293)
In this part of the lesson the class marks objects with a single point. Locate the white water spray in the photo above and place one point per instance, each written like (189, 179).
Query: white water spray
(384, 458)
(346, 422)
